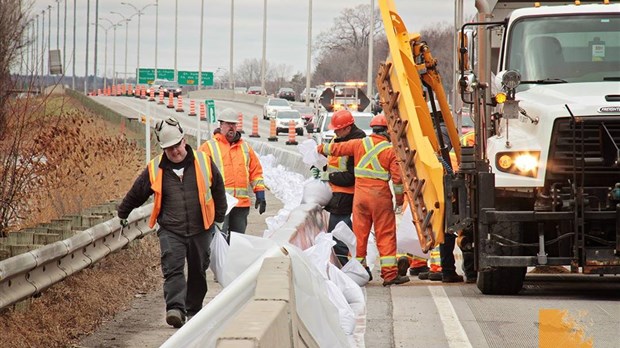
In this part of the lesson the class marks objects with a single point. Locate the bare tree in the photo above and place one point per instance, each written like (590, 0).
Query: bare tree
(440, 39)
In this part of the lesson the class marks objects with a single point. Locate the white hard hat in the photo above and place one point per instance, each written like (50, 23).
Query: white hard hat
(168, 132)
(228, 115)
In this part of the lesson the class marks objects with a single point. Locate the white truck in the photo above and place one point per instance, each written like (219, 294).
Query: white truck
(541, 183)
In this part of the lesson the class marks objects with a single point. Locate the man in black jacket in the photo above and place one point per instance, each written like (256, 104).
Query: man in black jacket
(341, 178)
(189, 200)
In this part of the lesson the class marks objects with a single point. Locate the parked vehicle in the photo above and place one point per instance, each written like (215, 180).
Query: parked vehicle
(274, 104)
(307, 113)
(286, 93)
(309, 94)
(255, 90)
(171, 87)
(324, 135)
(283, 119)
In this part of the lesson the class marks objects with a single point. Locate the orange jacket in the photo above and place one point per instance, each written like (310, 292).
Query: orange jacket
(375, 163)
(203, 170)
(239, 166)
(338, 164)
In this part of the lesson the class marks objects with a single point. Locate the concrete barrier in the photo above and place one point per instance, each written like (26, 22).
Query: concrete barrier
(226, 94)
(270, 318)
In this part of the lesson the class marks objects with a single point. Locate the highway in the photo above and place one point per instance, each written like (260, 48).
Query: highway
(419, 313)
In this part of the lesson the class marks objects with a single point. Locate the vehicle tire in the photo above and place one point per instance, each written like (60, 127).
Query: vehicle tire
(277, 131)
(501, 280)
(300, 132)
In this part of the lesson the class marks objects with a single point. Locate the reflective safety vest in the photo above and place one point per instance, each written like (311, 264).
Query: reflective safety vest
(204, 179)
(369, 165)
(337, 164)
(238, 165)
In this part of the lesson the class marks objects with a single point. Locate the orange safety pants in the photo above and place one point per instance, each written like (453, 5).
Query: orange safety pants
(374, 206)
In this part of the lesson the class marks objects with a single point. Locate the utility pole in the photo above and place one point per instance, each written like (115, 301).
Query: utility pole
(202, 18)
(264, 61)
(96, 41)
(87, 36)
(231, 79)
(371, 44)
(73, 58)
(309, 55)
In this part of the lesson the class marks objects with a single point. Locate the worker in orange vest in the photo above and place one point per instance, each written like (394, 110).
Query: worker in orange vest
(341, 178)
(375, 165)
(189, 199)
(240, 168)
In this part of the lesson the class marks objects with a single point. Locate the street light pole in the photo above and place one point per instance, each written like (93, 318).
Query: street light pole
(73, 58)
(371, 44)
(42, 50)
(202, 18)
(176, 17)
(139, 12)
(57, 24)
(87, 36)
(127, 20)
(64, 42)
(96, 42)
(264, 62)
(105, 58)
(309, 55)
(231, 79)
(156, 33)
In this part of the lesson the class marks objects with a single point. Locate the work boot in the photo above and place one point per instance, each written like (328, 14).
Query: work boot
(175, 318)
(417, 270)
(403, 266)
(369, 273)
(397, 280)
(452, 278)
(423, 275)
(471, 280)
(435, 276)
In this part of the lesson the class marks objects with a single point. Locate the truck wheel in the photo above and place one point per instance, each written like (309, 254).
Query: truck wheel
(501, 280)
(300, 132)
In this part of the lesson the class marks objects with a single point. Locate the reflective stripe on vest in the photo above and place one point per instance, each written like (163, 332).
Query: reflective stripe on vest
(369, 165)
(205, 168)
(387, 261)
(239, 192)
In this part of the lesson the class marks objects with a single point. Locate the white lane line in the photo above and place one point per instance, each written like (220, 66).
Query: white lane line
(454, 331)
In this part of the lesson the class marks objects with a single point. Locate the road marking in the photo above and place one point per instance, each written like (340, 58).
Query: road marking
(454, 331)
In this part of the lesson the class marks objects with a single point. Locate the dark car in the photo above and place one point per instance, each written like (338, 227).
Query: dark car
(375, 105)
(286, 93)
(171, 87)
(255, 90)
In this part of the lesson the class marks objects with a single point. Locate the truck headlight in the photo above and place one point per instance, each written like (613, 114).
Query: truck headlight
(520, 163)
(511, 79)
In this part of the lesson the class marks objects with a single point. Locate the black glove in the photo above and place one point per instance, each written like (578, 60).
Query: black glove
(124, 222)
(261, 204)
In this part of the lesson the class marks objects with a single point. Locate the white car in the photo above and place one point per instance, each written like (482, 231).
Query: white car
(274, 104)
(324, 135)
(283, 119)
(305, 95)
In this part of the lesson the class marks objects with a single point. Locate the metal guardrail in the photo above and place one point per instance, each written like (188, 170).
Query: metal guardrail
(28, 274)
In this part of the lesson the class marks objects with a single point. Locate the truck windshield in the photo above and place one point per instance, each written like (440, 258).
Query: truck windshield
(584, 48)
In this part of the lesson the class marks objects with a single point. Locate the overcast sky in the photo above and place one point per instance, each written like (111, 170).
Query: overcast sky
(287, 30)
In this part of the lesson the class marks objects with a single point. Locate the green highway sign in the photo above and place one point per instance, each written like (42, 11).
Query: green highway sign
(147, 76)
(190, 78)
(210, 110)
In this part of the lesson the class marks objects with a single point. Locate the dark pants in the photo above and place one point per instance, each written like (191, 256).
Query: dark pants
(447, 254)
(468, 265)
(340, 249)
(186, 296)
(236, 221)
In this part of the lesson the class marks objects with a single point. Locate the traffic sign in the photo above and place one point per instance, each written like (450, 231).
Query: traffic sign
(210, 110)
(147, 76)
(190, 78)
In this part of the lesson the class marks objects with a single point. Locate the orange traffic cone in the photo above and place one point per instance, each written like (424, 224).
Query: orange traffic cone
(291, 133)
(179, 104)
(170, 101)
(129, 90)
(113, 90)
(161, 98)
(203, 112)
(272, 131)
(123, 89)
(192, 108)
(240, 123)
(118, 91)
(98, 92)
(152, 95)
(255, 127)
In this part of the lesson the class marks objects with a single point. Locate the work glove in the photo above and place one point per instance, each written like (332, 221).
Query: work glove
(124, 222)
(261, 204)
(398, 209)
(219, 226)
(316, 172)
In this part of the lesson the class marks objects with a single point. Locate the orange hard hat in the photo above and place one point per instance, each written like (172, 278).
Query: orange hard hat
(341, 119)
(378, 120)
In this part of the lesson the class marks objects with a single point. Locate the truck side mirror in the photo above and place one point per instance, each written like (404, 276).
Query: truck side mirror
(463, 54)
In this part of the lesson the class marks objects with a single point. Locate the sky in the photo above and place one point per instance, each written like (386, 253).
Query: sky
(286, 39)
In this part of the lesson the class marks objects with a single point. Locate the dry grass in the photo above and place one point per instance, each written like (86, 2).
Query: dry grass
(88, 162)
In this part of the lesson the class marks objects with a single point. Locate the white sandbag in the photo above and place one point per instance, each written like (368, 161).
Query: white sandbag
(307, 149)
(320, 252)
(243, 251)
(372, 253)
(343, 233)
(351, 291)
(356, 272)
(345, 312)
(406, 235)
(231, 201)
(316, 191)
(219, 251)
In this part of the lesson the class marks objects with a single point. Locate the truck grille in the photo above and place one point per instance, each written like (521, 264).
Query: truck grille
(591, 148)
